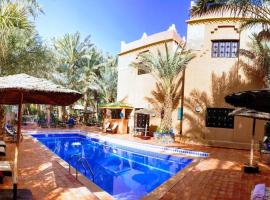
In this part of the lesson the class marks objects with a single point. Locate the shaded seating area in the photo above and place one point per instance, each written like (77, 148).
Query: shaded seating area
(117, 114)
(24, 89)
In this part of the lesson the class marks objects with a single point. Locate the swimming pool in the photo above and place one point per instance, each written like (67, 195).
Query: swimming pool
(125, 173)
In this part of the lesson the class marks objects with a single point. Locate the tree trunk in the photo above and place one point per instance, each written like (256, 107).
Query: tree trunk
(85, 105)
(2, 119)
(166, 122)
(60, 113)
(64, 113)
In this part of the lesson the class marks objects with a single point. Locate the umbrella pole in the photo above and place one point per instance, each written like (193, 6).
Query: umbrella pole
(15, 170)
(145, 131)
(252, 143)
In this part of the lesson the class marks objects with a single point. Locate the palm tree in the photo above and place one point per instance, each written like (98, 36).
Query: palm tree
(166, 68)
(71, 53)
(13, 16)
(14, 19)
(106, 82)
(256, 66)
(256, 12)
(89, 73)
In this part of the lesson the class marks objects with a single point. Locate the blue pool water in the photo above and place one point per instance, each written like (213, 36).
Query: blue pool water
(125, 173)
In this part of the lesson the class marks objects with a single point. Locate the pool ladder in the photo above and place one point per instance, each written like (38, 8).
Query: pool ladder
(83, 162)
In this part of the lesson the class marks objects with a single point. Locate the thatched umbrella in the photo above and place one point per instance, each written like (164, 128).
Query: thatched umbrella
(251, 167)
(21, 89)
(253, 99)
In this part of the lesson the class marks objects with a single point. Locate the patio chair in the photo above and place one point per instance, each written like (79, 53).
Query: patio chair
(106, 126)
(44, 124)
(52, 125)
(113, 129)
(5, 170)
(71, 122)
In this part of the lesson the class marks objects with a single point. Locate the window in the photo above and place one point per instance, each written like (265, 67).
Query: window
(225, 48)
(116, 113)
(219, 118)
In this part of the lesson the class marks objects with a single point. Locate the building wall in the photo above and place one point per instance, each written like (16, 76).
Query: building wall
(207, 80)
(202, 90)
(133, 88)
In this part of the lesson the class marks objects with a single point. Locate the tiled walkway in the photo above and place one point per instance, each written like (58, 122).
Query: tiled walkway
(217, 177)
(41, 173)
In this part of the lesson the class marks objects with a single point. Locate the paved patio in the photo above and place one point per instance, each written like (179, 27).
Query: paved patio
(217, 177)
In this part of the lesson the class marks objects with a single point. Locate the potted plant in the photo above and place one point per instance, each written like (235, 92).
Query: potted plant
(164, 136)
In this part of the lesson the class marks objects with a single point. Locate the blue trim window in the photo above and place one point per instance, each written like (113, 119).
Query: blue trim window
(225, 48)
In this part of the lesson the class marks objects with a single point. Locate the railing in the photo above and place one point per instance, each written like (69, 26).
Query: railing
(83, 162)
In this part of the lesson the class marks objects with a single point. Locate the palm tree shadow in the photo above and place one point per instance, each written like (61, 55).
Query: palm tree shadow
(241, 77)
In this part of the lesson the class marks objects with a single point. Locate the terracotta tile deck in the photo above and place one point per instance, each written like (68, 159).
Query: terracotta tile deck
(217, 177)
(43, 175)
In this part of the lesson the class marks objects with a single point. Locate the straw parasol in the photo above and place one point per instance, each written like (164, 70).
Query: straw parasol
(22, 88)
(253, 99)
(243, 112)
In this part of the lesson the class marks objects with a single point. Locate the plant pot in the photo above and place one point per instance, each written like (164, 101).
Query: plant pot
(164, 137)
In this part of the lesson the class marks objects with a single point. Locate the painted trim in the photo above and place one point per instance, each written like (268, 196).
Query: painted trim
(147, 46)
(214, 19)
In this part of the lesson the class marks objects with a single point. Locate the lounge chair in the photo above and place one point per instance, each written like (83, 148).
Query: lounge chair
(2, 144)
(11, 132)
(5, 170)
(106, 126)
(113, 129)
(2, 151)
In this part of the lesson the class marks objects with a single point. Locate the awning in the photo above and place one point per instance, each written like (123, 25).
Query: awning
(145, 111)
(115, 105)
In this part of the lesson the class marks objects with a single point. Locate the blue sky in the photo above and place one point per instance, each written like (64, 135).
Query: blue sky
(111, 21)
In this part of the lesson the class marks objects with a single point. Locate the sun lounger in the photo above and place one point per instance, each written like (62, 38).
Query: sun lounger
(2, 144)
(113, 129)
(2, 151)
(107, 125)
(11, 132)
(5, 170)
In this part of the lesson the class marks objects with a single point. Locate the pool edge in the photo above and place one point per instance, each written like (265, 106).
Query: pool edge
(160, 191)
(156, 194)
(92, 187)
